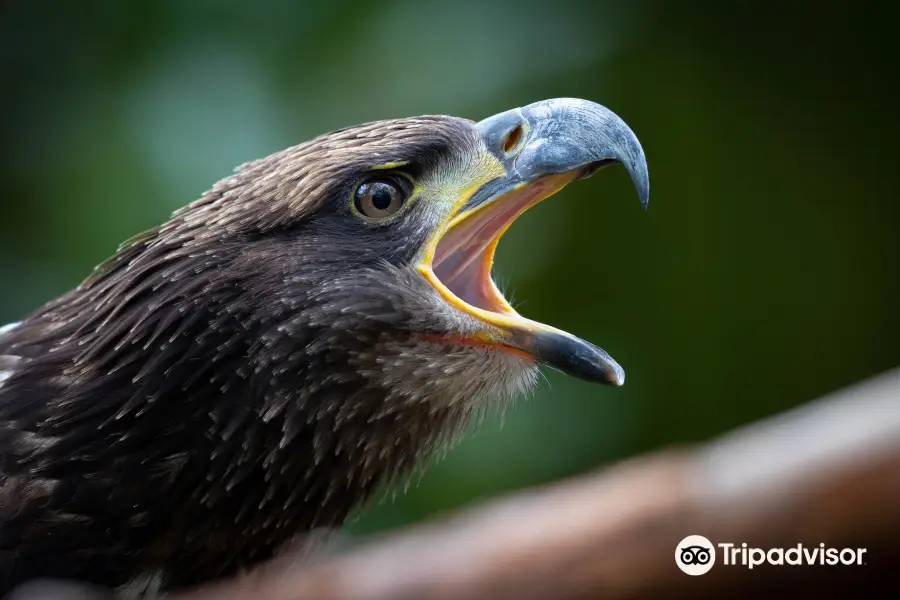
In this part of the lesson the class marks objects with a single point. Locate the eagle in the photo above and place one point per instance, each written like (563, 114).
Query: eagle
(316, 324)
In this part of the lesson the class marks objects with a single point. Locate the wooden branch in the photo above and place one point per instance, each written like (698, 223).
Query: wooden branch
(826, 473)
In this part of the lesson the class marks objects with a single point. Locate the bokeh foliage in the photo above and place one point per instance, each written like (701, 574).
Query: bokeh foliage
(764, 274)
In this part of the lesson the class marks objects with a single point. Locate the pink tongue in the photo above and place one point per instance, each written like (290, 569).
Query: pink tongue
(458, 259)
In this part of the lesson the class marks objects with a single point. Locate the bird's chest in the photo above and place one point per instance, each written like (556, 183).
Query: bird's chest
(267, 485)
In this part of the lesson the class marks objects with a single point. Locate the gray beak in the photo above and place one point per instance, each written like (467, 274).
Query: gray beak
(559, 136)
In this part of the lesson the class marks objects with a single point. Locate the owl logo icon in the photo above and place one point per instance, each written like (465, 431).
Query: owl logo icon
(695, 555)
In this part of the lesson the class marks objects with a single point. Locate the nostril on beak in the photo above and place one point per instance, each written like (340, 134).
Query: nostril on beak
(512, 139)
(504, 135)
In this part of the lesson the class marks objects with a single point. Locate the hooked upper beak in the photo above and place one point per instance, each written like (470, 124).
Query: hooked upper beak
(542, 147)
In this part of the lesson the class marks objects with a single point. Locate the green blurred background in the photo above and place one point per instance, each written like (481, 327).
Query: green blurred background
(764, 274)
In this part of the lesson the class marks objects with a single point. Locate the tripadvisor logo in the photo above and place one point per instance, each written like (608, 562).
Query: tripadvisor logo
(696, 555)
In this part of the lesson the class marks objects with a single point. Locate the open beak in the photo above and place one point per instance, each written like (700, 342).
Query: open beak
(543, 147)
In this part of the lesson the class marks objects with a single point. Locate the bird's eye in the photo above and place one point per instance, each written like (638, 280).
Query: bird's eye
(380, 198)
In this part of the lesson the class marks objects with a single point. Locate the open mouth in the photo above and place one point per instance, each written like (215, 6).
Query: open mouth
(460, 270)
(542, 147)
(465, 253)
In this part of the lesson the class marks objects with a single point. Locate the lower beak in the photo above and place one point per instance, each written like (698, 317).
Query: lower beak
(543, 147)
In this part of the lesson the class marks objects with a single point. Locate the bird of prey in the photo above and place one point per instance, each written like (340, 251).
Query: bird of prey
(316, 324)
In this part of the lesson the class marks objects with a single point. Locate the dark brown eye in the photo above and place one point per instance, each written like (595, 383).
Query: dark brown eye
(380, 198)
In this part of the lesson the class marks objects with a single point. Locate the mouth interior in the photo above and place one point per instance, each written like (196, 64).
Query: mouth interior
(464, 255)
